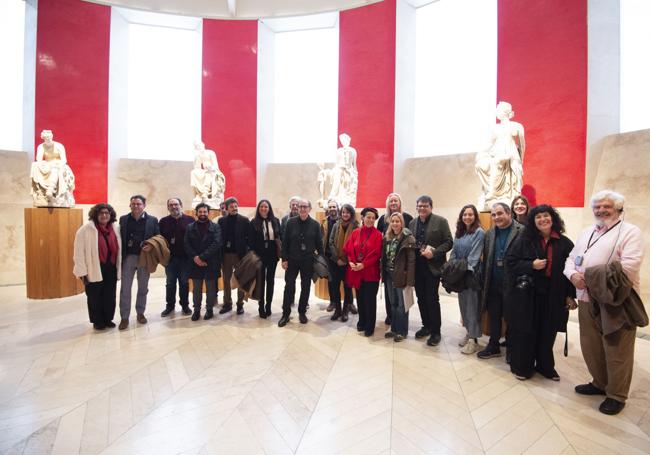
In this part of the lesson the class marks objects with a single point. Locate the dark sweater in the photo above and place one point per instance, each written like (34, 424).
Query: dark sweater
(299, 233)
(173, 229)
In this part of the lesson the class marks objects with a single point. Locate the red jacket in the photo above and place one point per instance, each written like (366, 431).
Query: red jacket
(364, 242)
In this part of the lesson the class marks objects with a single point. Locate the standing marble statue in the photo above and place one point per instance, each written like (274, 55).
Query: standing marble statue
(208, 182)
(500, 167)
(52, 178)
(345, 178)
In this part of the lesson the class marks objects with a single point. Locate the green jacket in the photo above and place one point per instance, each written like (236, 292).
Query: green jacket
(437, 235)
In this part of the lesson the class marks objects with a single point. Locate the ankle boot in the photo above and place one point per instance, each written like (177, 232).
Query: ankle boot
(344, 314)
(268, 309)
(262, 311)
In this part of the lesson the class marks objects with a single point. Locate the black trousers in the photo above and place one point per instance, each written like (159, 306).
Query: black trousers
(304, 266)
(367, 302)
(495, 310)
(267, 281)
(210, 293)
(532, 351)
(101, 296)
(337, 276)
(426, 291)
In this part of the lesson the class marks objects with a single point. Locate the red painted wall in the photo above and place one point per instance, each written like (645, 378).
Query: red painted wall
(229, 110)
(542, 72)
(72, 54)
(367, 95)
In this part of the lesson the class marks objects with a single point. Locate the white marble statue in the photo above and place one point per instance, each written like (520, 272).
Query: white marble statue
(345, 178)
(500, 166)
(208, 182)
(52, 178)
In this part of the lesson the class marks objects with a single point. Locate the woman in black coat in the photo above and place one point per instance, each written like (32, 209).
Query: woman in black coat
(542, 296)
(266, 244)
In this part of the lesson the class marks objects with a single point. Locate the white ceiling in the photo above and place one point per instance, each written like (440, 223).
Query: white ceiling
(238, 9)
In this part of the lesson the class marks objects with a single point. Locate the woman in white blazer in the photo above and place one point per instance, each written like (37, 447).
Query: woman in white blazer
(97, 262)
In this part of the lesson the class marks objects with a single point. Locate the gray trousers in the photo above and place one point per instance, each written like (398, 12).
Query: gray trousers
(129, 269)
(230, 260)
(210, 293)
(469, 311)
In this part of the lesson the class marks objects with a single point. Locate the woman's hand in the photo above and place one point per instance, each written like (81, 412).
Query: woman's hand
(340, 262)
(539, 264)
(571, 303)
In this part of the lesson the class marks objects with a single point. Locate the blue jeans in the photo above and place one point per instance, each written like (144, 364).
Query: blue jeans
(399, 317)
(178, 269)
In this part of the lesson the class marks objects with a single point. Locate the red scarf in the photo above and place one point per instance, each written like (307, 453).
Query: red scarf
(549, 252)
(107, 242)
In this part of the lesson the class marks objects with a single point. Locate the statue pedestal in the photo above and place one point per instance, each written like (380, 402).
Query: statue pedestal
(486, 220)
(49, 244)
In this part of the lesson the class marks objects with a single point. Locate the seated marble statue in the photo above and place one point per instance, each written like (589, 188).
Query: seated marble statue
(500, 167)
(345, 178)
(52, 178)
(208, 182)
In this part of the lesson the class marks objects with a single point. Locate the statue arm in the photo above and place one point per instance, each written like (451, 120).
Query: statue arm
(522, 142)
(64, 158)
(39, 152)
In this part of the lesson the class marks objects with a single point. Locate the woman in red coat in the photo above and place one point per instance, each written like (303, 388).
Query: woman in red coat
(363, 250)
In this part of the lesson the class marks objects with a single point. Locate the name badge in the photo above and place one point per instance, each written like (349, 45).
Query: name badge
(266, 244)
(129, 243)
(228, 244)
(303, 247)
(173, 240)
(579, 260)
(499, 262)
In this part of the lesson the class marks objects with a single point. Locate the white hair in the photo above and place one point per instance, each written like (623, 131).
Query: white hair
(617, 198)
(294, 198)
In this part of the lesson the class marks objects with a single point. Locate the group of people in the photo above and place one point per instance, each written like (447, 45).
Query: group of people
(523, 270)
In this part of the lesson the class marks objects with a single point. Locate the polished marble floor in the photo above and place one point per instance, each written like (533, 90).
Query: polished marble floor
(241, 385)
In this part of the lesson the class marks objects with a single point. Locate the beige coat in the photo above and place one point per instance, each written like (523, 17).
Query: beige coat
(159, 253)
(86, 252)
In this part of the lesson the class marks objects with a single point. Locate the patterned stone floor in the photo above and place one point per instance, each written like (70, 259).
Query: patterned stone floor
(239, 384)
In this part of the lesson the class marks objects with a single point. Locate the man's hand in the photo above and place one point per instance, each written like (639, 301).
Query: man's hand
(427, 251)
(285, 265)
(200, 262)
(578, 280)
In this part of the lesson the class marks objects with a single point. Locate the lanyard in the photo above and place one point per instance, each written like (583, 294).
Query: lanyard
(589, 244)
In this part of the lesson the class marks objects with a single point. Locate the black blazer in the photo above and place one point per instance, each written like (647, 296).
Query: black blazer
(270, 253)
(207, 248)
(243, 235)
(151, 228)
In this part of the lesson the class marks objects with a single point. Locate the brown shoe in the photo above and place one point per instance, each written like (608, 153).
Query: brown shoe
(142, 319)
(124, 323)
(331, 307)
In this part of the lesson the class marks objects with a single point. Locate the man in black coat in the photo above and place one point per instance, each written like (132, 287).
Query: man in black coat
(496, 277)
(135, 228)
(236, 238)
(203, 246)
(302, 238)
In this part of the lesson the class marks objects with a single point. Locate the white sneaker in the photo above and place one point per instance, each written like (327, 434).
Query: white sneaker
(463, 341)
(470, 348)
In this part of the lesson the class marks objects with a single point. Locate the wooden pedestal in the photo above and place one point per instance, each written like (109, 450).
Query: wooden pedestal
(49, 243)
(486, 220)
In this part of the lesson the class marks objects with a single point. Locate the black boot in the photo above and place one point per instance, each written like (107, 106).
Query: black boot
(344, 313)
(268, 309)
(197, 314)
(262, 311)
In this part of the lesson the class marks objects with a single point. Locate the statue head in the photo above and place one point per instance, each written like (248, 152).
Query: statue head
(345, 140)
(504, 111)
(47, 136)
